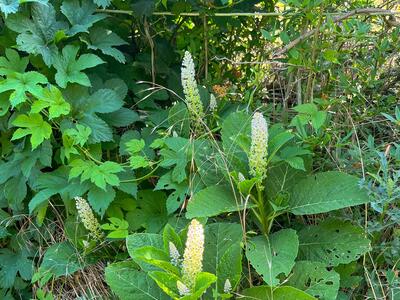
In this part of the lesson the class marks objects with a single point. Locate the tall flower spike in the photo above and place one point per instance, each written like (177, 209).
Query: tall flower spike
(193, 256)
(259, 146)
(194, 104)
(88, 219)
(174, 254)
(182, 288)
(227, 286)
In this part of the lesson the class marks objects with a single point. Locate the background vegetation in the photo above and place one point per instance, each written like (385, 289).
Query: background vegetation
(104, 161)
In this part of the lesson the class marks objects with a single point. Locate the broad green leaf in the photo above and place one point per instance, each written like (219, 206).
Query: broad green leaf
(315, 279)
(13, 263)
(138, 240)
(122, 117)
(101, 199)
(69, 69)
(53, 183)
(51, 98)
(223, 253)
(273, 255)
(264, 292)
(134, 146)
(62, 259)
(156, 257)
(235, 138)
(176, 153)
(81, 15)
(212, 201)
(33, 125)
(150, 212)
(15, 191)
(105, 40)
(36, 35)
(100, 175)
(13, 62)
(326, 191)
(332, 242)
(20, 84)
(129, 283)
(9, 6)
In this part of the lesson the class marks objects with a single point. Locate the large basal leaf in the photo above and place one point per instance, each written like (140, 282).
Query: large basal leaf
(280, 293)
(333, 242)
(326, 191)
(315, 279)
(137, 240)
(273, 255)
(62, 259)
(129, 283)
(223, 254)
(212, 201)
(236, 136)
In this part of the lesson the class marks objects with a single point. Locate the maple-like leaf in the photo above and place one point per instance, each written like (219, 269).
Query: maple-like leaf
(69, 69)
(100, 175)
(81, 16)
(36, 35)
(33, 125)
(52, 98)
(13, 62)
(105, 41)
(20, 84)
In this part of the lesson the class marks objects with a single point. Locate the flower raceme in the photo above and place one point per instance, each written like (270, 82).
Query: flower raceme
(192, 263)
(259, 146)
(88, 219)
(192, 96)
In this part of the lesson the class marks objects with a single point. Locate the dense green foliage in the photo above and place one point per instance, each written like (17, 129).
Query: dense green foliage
(267, 169)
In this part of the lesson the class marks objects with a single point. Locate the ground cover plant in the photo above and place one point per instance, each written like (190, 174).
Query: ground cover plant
(192, 149)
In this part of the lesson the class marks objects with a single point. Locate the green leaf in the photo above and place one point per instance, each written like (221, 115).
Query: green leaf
(22, 83)
(9, 6)
(273, 255)
(223, 253)
(105, 40)
(100, 175)
(143, 7)
(176, 154)
(62, 259)
(13, 62)
(13, 263)
(101, 199)
(33, 125)
(129, 283)
(264, 292)
(80, 15)
(315, 279)
(121, 118)
(156, 257)
(70, 70)
(212, 201)
(102, 3)
(151, 211)
(333, 242)
(236, 137)
(15, 191)
(53, 183)
(36, 35)
(52, 98)
(138, 240)
(134, 146)
(326, 191)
